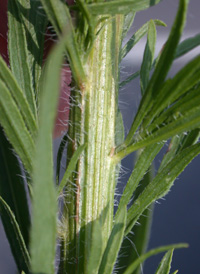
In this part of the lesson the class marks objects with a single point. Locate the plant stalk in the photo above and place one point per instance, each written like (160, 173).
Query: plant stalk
(90, 192)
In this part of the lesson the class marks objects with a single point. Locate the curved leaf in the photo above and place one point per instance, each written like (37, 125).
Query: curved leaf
(148, 56)
(187, 45)
(150, 253)
(120, 7)
(19, 97)
(11, 183)
(174, 88)
(137, 36)
(161, 184)
(96, 248)
(15, 237)
(113, 244)
(58, 14)
(43, 233)
(135, 244)
(143, 163)
(71, 167)
(15, 128)
(35, 22)
(161, 70)
(165, 264)
(18, 53)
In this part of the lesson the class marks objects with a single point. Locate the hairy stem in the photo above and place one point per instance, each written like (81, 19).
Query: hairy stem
(90, 194)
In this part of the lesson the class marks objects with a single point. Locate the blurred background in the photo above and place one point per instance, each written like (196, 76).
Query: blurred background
(177, 217)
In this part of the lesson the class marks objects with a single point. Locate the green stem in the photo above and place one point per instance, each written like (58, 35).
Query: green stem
(91, 191)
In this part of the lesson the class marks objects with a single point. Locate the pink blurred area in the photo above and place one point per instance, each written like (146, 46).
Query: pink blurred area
(61, 122)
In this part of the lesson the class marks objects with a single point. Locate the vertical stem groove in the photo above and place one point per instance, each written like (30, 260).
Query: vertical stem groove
(93, 122)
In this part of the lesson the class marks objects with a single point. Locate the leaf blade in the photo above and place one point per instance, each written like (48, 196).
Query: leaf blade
(143, 163)
(43, 233)
(35, 22)
(161, 70)
(96, 248)
(18, 96)
(151, 253)
(161, 184)
(137, 36)
(71, 167)
(59, 15)
(12, 183)
(120, 7)
(15, 237)
(18, 53)
(113, 244)
(15, 128)
(165, 264)
(148, 56)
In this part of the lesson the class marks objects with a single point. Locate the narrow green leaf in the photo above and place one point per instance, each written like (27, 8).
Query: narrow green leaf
(143, 163)
(18, 53)
(129, 79)
(128, 21)
(165, 265)
(183, 48)
(43, 233)
(15, 237)
(11, 182)
(190, 139)
(161, 184)
(160, 72)
(120, 7)
(85, 13)
(59, 157)
(148, 56)
(113, 244)
(172, 150)
(19, 97)
(178, 124)
(119, 129)
(137, 36)
(187, 45)
(174, 88)
(175, 272)
(150, 253)
(188, 102)
(178, 143)
(71, 167)
(96, 248)
(59, 15)
(136, 243)
(15, 128)
(35, 23)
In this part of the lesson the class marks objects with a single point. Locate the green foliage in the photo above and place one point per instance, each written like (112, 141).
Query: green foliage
(138, 35)
(148, 56)
(150, 253)
(18, 53)
(165, 264)
(15, 237)
(96, 248)
(15, 127)
(113, 244)
(90, 37)
(59, 15)
(12, 183)
(43, 232)
(70, 168)
(120, 7)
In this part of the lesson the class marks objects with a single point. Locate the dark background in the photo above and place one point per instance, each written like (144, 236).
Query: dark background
(176, 218)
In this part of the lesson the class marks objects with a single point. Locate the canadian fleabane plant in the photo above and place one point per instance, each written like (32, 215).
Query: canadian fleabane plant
(71, 226)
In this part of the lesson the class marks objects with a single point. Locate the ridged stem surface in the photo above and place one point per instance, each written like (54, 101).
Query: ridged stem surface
(93, 119)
